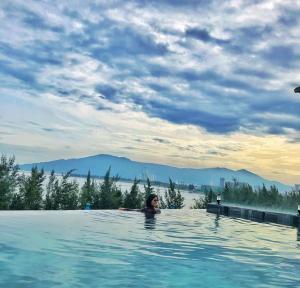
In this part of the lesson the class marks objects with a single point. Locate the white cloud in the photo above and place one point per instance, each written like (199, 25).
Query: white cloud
(143, 55)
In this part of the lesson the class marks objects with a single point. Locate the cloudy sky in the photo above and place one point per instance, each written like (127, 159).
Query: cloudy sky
(185, 83)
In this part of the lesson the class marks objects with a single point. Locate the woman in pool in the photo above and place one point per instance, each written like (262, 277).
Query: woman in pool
(151, 206)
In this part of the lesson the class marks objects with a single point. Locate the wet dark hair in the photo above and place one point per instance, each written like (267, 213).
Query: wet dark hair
(149, 200)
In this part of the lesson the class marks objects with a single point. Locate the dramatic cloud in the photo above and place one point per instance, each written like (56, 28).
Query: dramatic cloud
(109, 71)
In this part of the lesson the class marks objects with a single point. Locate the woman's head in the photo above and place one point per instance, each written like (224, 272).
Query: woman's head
(152, 201)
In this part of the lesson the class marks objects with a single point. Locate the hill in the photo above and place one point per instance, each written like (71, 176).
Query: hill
(129, 169)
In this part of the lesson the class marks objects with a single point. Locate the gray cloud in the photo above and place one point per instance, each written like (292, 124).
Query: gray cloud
(294, 140)
(163, 141)
(204, 35)
(196, 72)
(283, 56)
(6, 133)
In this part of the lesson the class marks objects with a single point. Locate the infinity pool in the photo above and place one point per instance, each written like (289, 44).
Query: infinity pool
(179, 248)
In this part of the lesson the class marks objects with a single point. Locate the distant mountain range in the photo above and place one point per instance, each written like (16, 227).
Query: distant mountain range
(129, 169)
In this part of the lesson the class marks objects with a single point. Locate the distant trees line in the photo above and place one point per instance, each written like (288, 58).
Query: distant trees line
(242, 193)
(21, 192)
(18, 192)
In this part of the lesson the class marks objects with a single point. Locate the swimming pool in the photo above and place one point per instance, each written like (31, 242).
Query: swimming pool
(179, 248)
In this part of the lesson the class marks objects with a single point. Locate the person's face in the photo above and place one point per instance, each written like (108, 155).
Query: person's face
(154, 202)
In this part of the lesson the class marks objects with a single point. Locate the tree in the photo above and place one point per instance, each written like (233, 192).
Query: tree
(61, 194)
(209, 196)
(31, 189)
(274, 196)
(105, 191)
(262, 195)
(191, 187)
(110, 195)
(148, 189)
(134, 198)
(55, 195)
(247, 195)
(96, 204)
(49, 203)
(162, 205)
(173, 199)
(8, 181)
(87, 191)
(227, 192)
(17, 202)
(200, 203)
(69, 191)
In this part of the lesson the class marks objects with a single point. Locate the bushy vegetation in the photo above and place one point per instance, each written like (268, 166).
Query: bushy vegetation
(173, 198)
(242, 193)
(8, 181)
(133, 199)
(19, 192)
(201, 202)
(30, 192)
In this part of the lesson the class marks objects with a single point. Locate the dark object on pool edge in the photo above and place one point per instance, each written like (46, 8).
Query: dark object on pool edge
(297, 90)
(219, 199)
(87, 206)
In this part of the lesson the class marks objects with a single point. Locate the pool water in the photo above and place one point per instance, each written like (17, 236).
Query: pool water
(178, 248)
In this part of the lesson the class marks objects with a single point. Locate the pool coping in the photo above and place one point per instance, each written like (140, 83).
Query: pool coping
(255, 214)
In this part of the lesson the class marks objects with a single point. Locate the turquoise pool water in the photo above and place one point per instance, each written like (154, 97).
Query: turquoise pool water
(187, 248)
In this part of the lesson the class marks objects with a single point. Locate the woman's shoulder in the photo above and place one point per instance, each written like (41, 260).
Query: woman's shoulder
(128, 209)
(143, 210)
(150, 210)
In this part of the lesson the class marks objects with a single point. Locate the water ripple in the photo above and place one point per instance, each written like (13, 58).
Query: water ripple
(174, 249)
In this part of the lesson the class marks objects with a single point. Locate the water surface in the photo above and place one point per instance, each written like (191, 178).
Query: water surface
(179, 248)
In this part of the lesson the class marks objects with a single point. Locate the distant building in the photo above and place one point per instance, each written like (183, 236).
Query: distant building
(222, 182)
(236, 183)
(297, 187)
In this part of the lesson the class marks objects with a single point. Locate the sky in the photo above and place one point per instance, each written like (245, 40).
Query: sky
(183, 83)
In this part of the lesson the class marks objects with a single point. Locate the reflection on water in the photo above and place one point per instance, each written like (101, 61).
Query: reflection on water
(217, 220)
(150, 221)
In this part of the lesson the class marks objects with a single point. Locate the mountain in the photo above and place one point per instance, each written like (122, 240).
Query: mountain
(129, 169)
